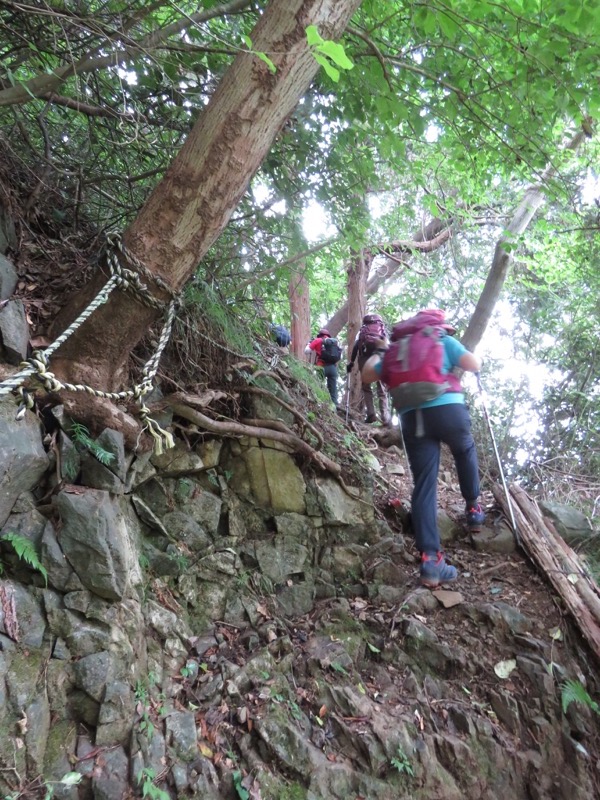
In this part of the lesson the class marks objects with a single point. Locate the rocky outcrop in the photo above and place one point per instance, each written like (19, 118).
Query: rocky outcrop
(216, 623)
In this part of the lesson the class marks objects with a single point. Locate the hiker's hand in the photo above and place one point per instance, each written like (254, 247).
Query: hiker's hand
(349, 367)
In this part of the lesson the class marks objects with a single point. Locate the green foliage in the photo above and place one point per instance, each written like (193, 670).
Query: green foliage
(402, 763)
(241, 792)
(69, 779)
(145, 779)
(81, 436)
(574, 692)
(330, 55)
(25, 550)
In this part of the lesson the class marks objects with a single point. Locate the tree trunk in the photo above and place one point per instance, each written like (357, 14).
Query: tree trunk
(431, 237)
(299, 296)
(193, 203)
(357, 284)
(532, 199)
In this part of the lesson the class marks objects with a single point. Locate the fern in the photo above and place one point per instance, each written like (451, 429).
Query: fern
(575, 692)
(26, 552)
(81, 436)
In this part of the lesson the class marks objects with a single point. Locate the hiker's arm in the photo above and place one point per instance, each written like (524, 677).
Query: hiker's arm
(469, 362)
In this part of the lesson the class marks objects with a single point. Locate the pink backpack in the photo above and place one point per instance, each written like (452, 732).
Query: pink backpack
(372, 330)
(412, 365)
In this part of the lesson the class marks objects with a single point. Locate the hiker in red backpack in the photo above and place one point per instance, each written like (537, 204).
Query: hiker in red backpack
(417, 367)
(370, 336)
(328, 353)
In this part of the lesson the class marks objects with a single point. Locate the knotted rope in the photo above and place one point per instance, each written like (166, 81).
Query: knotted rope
(128, 280)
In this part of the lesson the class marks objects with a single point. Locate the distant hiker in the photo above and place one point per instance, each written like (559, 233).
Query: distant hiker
(370, 336)
(417, 368)
(328, 353)
(281, 335)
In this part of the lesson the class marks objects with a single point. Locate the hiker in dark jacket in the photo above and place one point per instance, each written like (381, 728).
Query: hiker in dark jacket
(330, 371)
(372, 331)
(281, 335)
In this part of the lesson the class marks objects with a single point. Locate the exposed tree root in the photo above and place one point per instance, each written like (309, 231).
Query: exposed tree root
(303, 421)
(177, 402)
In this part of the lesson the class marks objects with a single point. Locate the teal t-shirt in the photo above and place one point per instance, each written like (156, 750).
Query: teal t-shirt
(453, 350)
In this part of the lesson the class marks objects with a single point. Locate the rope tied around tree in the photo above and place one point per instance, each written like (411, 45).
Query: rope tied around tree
(128, 280)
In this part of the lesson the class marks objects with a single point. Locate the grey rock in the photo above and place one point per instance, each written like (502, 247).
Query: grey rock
(93, 673)
(497, 539)
(181, 527)
(8, 274)
(99, 476)
(297, 599)
(181, 734)
(570, 523)
(61, 574)
(111, 781)
(36, 736)
(30, 620)
(23, 460)
(281, 557)
(116, 716)
(94, 532)
(14, 332)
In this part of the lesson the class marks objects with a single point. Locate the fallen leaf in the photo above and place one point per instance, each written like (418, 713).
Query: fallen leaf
(205, 750)
(503, 669)
(322, 711)
(262, 610)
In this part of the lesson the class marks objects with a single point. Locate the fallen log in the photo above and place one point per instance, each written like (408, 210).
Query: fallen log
(559, 562)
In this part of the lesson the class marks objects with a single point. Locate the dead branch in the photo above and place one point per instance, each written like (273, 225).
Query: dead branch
(558, 562)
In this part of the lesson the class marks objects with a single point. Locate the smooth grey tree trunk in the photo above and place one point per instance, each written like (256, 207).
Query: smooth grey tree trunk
(533, 198)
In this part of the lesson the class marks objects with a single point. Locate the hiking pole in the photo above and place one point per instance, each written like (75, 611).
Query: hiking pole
(513, 522)
(347, 397)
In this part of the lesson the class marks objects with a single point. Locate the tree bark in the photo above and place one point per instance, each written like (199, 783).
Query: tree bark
(558, 562)
(299, 297)
(193, 203)
(358, 270)
(502, 261)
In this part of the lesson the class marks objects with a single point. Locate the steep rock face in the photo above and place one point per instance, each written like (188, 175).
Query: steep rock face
(221, 624)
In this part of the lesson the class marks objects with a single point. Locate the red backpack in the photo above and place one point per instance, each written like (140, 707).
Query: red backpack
(372, 329)
(412, 365)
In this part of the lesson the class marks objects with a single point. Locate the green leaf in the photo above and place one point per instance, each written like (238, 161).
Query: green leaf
(333, 73)
(575, 692)
(448, 25)
(26, 552)
(264, 57)
(247, 41)
(337, 54)
(71, 778)
(313, 36)
(372, 648)
(242, 793)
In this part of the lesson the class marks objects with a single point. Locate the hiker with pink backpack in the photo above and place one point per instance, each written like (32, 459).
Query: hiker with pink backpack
(417, 367)
(370, 336)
